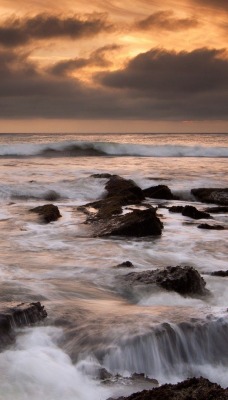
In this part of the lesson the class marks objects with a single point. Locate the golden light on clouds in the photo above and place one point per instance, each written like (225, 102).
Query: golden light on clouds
(81, 51)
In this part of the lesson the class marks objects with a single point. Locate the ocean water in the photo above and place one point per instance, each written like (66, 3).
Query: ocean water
(91, 322)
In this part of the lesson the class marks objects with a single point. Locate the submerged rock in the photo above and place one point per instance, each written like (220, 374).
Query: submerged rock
(212, 195)
(51, 195)
(220, 273)
(48, 212)
(183, 280)
(103, 175)
(212, 227)
(217, 210)
(159, 192)
(192, 212)
(125, 264)
(176, 209)
(190, 389)
(14, 316)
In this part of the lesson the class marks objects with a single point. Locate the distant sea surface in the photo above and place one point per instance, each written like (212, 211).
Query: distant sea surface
(92, 323)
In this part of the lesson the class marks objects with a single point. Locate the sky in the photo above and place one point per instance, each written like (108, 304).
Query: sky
(113, 66)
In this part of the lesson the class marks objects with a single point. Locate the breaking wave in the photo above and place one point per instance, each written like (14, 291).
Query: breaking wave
(84, 148)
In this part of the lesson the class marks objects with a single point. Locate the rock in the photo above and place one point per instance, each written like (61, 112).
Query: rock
(183, 280)
(102, 176)
(51, 195)
(138, 223)
(159, 192)
(48, 212)
(14, 316)
(212, 195)
(104, 375)
(125, 264)
(217, 210)
(192, 212)
(190, 389)
(220, 273)
(213, 227)
(176, 209)
(117, 186)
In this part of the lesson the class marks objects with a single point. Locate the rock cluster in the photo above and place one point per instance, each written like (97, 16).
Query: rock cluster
(183, 280)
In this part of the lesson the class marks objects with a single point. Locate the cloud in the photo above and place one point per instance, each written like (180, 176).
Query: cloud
(19, 31)
(98, 58)
(154, 85)
(217, 4)
(160, 72)
(165, 20)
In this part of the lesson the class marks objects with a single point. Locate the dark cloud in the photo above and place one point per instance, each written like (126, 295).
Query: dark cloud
(154, 85)
(97, 58)
(165, 20)
(19, 31)
(162, 73)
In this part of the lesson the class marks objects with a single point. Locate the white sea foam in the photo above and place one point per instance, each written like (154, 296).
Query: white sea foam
(80, 148)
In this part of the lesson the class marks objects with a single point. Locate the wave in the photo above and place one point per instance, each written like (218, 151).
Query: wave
(89, 149)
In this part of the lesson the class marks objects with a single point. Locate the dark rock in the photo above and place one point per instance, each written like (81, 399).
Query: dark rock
(213, 227)
(176, 209)
(14, 316)
(137, 223)
(183, 280)
(51, 195)
(217, 210)
(159, 192)
(117, 186)
(190, 389)
(125, 264)
(103, 374)
(212, 195)
(102, 176)
(220, 273)
(192, 212)
(48, 212)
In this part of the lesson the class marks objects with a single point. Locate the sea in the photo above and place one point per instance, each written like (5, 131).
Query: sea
(92, 323)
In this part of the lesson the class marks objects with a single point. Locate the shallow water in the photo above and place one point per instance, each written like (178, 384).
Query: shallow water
(92, 321)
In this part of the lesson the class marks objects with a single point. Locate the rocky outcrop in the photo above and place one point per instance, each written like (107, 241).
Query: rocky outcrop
(212, 227)
(18, 315)
(159, 192)
(106, 216)
(138, 223)
(120, 187)
(221, 273)
(192, 212)
(184, 280)
(190, 389)
(47, 212)
(212, 195)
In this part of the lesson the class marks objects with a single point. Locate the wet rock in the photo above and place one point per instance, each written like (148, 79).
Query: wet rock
(125, 264)
(48, 212)
(212, 227)
(135, 224)
(212, 195)
(221, 273)
(14, 316)
(103, 374)
(190, 389)
(192, 212)
(217, 210)
(103, 175)
(51, 195)
(159, 192)
(176, 209)
(183, 280)
(117, 186)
